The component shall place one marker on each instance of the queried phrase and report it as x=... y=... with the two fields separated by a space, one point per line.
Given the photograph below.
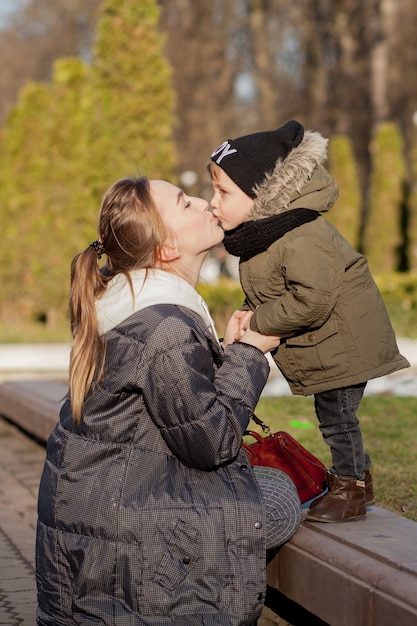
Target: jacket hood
x=148 y=288
x=299 y=181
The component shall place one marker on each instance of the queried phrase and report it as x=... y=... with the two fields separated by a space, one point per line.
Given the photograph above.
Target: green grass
x=35 y=332
x=389 y=427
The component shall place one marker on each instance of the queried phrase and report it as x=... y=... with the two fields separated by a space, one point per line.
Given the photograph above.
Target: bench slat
x=33 y=405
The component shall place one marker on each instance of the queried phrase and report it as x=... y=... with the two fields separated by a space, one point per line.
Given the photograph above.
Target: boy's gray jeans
x=336 y=411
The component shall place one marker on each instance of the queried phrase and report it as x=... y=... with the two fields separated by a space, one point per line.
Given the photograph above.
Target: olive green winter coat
x=311 y=282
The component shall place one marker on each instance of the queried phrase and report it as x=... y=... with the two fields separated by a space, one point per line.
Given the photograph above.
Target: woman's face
x=194 y=227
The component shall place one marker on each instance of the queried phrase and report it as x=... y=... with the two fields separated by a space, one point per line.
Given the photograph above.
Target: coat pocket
x=172 y=546
x=181 y=553
x=315 y=354
x=183 y=549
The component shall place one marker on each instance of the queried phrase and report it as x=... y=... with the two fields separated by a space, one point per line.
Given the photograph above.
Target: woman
x=149 y=513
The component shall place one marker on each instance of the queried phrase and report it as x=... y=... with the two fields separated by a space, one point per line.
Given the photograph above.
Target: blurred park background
x=91 y=91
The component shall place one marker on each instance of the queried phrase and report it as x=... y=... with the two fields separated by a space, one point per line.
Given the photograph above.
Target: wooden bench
x=352 y=574
x=33 y=405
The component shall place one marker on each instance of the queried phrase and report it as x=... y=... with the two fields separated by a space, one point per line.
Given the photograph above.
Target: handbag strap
x=260 y=423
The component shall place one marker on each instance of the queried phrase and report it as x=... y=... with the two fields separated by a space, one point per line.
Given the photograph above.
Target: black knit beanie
x=246 y=160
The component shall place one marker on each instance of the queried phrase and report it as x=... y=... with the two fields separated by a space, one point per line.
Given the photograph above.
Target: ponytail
x=131 y=233
x=88 y=350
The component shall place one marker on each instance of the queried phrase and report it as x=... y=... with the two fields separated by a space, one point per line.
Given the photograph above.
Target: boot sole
x=334 y=521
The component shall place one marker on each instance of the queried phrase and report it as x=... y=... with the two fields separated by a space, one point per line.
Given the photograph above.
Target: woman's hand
x=265 y=343
x=238 y=330
x=236 y=327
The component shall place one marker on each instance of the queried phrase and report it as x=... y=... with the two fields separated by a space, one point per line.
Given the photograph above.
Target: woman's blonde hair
x=131 y=232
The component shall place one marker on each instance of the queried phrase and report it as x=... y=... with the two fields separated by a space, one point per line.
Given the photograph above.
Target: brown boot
x=369 y=489
x=344 y=502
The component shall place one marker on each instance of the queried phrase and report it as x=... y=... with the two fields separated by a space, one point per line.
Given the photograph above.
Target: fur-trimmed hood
x=299 y=181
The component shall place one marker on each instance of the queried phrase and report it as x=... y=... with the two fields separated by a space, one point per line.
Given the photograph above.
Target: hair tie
x=99 y=248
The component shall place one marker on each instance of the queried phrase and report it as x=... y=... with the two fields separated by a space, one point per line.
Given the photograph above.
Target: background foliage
x=66 y=140
x=94 y=91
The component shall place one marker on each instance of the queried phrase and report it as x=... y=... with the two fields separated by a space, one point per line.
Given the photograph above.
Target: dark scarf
x=251 y=238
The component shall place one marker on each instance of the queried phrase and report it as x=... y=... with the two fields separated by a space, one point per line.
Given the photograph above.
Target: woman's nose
x=204 y=205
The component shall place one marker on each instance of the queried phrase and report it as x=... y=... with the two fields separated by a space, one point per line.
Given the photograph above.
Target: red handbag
x=283 y=452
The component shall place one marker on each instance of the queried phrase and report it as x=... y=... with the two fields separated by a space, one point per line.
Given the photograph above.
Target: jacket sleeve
x=201 y=410
x=313 y=272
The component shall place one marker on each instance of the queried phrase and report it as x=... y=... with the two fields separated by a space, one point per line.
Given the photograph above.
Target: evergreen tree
x=412 y=224
x=68 y=215
x=130 y=96
x=383 y=235
x=67 y=141
x=42 y=190
x=23 y=164
x=346 y=213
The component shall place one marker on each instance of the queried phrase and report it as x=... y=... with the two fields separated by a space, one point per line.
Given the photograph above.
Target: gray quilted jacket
x=148 y=509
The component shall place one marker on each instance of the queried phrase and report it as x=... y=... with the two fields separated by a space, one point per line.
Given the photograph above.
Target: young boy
x=301 y=278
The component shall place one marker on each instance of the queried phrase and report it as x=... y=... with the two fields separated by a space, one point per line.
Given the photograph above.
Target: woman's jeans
x=336 y=411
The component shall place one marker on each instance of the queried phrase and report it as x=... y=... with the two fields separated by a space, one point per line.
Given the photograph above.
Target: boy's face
x=231 y=206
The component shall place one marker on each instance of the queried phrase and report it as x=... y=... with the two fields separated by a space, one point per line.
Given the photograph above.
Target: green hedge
x=400 y=295
x=398 y=290
x=222 y=299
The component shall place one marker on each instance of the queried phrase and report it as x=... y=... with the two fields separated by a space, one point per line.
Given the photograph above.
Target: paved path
x=34 y=360
x=21 y=462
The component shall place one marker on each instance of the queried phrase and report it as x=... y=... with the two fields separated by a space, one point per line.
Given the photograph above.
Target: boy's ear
x=168 y=253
